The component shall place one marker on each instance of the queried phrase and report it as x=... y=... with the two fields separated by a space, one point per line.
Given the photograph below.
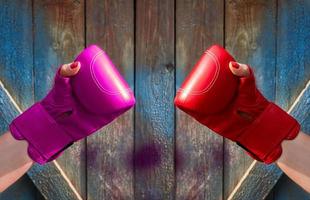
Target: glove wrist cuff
x=46 y=139
x=263 y=138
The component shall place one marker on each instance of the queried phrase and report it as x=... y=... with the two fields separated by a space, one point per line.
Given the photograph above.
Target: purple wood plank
x=58 y=37
x=154 y=116
x=110 y=24
x=199 y=151
x=250 y=36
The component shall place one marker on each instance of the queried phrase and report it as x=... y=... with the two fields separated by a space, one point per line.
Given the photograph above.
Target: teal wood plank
x=16 y=50
x=16 y=66
x=250 y=30
x=293 y=71
x=293 y=55
x=199 y=151
x=58 y=38
x=155 y=89
x=110 y=24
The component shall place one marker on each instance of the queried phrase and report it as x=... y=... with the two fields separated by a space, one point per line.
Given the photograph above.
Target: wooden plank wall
x=154 y=88
x=199 y=152
x=250 y=36
x=17 y=53
x=293 y=71
x=154 y=151
x=110 y=24
x=58 y=32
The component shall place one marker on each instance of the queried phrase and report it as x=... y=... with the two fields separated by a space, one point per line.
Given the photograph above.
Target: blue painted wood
x=16 y=51
x=58 y=38
x=199 y=151
x=293 y=55
x=250 y=35
x=110 y=151
x=293 y=71
x=155 y=88
x=16 y=65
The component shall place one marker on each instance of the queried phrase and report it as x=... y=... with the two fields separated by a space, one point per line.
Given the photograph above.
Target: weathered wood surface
x=251 y=38
x=293 y=55
x=110 y=24
x=154 y=151
x=58 y=28
x=15 y=54
x=199 y=152
x=154 y=115
x=257 y=182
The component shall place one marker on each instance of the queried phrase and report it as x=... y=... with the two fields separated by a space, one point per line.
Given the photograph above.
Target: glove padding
x=72 y=111
x=257 y=125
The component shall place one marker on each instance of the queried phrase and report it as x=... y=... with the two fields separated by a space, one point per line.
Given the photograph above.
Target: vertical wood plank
x=155 y=88
x=250 y=36
x=110 y=24
x=293 y=70
x=58 y=37
x=293 y=55
x=199 y=152
x=16 y=65
x=16 y=50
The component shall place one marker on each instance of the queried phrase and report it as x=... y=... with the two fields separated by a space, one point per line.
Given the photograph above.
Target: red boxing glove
x=234 y=108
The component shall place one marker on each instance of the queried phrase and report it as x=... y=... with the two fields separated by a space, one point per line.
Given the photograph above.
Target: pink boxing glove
x=234 y=108
x=75 y=107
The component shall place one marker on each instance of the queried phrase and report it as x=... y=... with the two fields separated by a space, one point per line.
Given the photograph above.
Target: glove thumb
x=61 y=94
x=247 y=86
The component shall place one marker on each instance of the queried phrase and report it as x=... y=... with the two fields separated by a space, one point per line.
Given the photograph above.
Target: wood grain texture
x=49 y=179
x=293 y=55
x=199 y=152
x=58 y=37
x=153 y=152
x=110 y=24
x=293 y=66
x=16 y=50
x=16 y=67
x=251 y=38
x=261 y=178
x=155 y=88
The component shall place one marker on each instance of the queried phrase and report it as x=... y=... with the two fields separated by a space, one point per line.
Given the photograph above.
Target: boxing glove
x=245 y=116
x=75 y=107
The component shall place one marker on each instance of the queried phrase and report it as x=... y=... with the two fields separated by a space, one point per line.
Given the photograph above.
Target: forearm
x=295 y=160
x=14 y=160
